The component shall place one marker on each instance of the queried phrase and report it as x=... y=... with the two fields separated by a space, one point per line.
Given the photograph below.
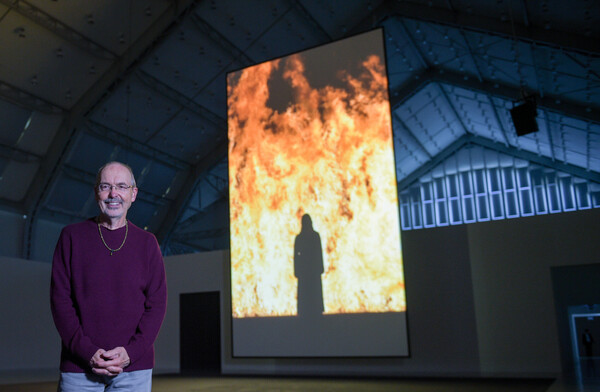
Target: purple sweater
x=103 y=301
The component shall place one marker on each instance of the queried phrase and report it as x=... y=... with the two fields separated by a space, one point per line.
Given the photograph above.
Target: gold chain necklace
x=104 y=242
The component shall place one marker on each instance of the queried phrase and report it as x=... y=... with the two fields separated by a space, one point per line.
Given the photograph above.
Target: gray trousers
x=137 y=381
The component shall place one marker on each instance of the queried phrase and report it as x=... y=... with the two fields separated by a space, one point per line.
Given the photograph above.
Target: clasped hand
x=111 y=362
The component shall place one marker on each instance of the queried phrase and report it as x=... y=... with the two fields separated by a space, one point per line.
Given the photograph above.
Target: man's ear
x=134 y=192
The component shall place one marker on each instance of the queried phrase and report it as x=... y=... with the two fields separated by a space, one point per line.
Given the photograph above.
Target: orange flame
x=330 y=155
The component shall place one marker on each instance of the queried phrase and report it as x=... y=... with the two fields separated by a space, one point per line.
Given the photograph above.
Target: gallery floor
x=178 y=383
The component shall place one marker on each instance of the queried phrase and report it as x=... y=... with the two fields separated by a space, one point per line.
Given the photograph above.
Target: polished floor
x=178 y=383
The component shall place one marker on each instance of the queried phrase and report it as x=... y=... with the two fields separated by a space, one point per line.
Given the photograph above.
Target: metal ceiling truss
x=224 y=197
x=411 y=135
x=412 y=44
x=215 y=182
x=54 y=163
x=501 y=148
x=106 y=133
x=433 y=162
x=556 y=104
x=537 y=159
x=27 y=101
x=450 y=103
x=310 y=19
x=219 y=184
x=216 y=36
x=488 y=25
x=16 y=154
x=497 y=118
x=201 y=169
x=431 y=74
x=182 y=100
x=67 y=214
x=195 y=175
x=549 y=134
x=60 y=29
x=59 y=148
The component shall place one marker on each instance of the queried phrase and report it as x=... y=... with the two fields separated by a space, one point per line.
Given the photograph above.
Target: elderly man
x=108 y=293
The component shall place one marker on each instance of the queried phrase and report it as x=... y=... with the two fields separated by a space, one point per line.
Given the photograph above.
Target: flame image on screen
x=329 y=154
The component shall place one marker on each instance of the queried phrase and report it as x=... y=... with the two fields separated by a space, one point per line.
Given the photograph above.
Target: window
x=525 y=192
x=454 y=202
x=468 y=200
x=495 y=192
x=583 y=195
x=441 y=204
x=428 y=210
x=483 y=194
x=553 y=192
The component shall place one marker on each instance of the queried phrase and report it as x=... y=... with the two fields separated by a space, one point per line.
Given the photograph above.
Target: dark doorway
x=200 y=333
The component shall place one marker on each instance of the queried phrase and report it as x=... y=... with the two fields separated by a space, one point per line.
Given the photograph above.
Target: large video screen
x=316 y=258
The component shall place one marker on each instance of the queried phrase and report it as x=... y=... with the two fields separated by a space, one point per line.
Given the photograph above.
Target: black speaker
x=523 y=117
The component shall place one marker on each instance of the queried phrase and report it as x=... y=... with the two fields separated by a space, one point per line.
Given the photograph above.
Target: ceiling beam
x=54 y=25
x=411 y=42
x=498 y=122
x=187 y=190
x=63 y=139
x=26 y=100
x=12 y=206
x=17 y=154
x=63 y=213
x=536 y=158
x=186 y=102
x=102 y=131
x=553 y=103
x=433 y=162
x=200 y=215
x=409 y=134
x=490 y=25
x=453 y=109
x=372 y=19
x=205 y=28
x=311 y=19
x=500 y=148
x=200 y=170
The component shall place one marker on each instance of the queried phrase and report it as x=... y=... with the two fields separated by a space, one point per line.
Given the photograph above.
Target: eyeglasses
x=104 y=187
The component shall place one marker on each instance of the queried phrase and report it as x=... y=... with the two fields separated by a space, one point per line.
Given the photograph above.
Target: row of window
x=480 y=195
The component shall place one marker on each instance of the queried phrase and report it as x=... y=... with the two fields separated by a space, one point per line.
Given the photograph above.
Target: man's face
x=115 y=202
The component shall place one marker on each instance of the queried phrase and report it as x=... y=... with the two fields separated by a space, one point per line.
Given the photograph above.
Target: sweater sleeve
x=64 y=310
x=155 y=304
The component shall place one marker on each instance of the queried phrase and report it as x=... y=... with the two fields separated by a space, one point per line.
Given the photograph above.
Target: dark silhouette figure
x=308 y=267
x=587 y=341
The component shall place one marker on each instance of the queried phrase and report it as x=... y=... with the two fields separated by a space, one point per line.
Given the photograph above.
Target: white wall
x=513 y=288
x=27 y=330
x=28 y=338
x=480 y=302
x=194 y=273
